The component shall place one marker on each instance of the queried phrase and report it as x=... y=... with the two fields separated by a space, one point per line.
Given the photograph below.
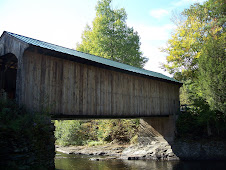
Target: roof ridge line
x=17 y=39
x=38 y=40
x=82 y=52
x=69 y=49
x=88 y=56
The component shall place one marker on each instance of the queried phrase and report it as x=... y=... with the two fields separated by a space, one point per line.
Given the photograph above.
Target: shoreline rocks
x=101 y=150
x=156 y=150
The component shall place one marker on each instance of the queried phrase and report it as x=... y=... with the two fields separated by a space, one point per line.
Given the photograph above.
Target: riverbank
x=114 y=150
x=156 y=150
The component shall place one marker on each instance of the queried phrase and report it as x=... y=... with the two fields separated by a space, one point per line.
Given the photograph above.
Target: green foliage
x=111 y=38
x=187 y=43
x=134 y=139
x=95 y=132
x=21 y=129
x=187 y=126
x=196 y=56
x=185 y=92
x=184 y=49
x=95 y=143
x=18 y=121
x=121 y=130
x=13 y=118
x=201 y=123
x=72 y=132
x=212 y=73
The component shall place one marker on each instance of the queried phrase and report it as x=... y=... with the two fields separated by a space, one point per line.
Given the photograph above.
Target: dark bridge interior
x=8 y=72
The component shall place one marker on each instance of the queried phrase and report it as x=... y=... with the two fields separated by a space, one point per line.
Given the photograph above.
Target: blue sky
x=62 y=22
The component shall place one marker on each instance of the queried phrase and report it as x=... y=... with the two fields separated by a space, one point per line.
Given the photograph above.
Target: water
x=82 y=162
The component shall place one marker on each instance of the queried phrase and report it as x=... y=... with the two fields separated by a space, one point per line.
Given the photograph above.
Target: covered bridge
x=73 y=84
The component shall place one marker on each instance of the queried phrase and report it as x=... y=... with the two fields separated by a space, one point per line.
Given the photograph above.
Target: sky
x=62 y=22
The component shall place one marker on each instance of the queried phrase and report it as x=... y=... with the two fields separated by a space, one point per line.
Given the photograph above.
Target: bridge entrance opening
x=143 y=131
x=8 y=74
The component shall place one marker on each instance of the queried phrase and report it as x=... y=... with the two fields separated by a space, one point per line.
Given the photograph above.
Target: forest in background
x=196 y=57
x=96 y=132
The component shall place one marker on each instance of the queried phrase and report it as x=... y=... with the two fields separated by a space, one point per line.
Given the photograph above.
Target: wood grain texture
x=75 y=89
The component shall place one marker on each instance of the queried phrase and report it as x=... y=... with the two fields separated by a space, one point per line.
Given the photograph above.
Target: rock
x=102 y=153
x=133 y=157
x=156 y=150
x=94 y=159
x=111 y=158
x=101 y=159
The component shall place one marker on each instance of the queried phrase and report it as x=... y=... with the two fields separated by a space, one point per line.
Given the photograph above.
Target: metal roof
x=90 y=57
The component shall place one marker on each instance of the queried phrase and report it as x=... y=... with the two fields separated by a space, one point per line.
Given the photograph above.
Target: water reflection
x=150 y=164
x=81 y=162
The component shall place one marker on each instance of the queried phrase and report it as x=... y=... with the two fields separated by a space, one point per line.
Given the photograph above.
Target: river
x=83 y=162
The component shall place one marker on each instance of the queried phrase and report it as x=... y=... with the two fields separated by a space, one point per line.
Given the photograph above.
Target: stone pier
x=157 y=129
x=155 y=137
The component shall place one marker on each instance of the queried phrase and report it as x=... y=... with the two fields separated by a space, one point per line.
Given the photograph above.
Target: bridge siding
x=72 y=88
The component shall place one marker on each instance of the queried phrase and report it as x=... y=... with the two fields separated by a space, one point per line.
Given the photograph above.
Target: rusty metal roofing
x=90 y=57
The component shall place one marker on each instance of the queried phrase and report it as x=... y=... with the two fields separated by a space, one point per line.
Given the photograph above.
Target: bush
x=26 y=138
x=95 y=143
x=69 y=133
x=95 y=132
x=187 y=126
x=199 y=122
x=121 y=130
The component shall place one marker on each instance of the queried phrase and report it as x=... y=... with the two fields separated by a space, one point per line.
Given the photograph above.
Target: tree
x=196 y=56
x=196 y=50
x=212 y=61
x=111 y=38
x=185 y=46
x=212 y=73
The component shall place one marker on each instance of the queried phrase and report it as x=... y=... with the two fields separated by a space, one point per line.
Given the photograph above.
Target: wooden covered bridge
x=75 y=84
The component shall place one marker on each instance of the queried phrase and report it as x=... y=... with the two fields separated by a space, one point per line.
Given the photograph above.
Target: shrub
x=92 y=132
x=26 y=138
x=199 y=122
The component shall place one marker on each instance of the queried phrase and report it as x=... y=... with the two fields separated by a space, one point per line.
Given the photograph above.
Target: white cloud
x=159 y=13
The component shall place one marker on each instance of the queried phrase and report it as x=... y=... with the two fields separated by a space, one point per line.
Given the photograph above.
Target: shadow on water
x=82 y=162
x=175 y=165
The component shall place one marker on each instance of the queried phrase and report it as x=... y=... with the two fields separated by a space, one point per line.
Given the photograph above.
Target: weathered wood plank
x=98 y=92
x=79 y=89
